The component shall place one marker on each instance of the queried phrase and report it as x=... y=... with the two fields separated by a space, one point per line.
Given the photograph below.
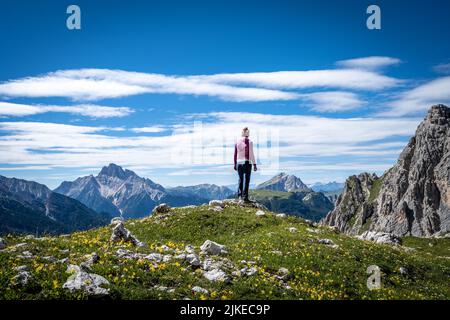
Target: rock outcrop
x=413 y=197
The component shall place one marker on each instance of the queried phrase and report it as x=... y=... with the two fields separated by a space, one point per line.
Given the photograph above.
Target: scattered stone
x=381 y=237
x=22 y=278
x=164 y=288
x=193 y=259
x=91 y=260
x=181 y=256
x=312 y=230
x=158 y=257
x=216 y=209
x=117 y=220
x=26 y=255
x=292 y=229
x=283 y=273
x=260 y=213
x=199 y=290
x=21 y=268
x=90 y=283
x=189 y=249
x=64 y=251
x=248 y=271
x=211 y=247
x=217 y=203
x=280 y=215
x=167 y=258
x=326 y=241
x=215 y=275
x=29 y=237
x=50 y=258
x=162 y=208
x=277 y=252
x=121 y=233
x=2 y=243
x=403 y=270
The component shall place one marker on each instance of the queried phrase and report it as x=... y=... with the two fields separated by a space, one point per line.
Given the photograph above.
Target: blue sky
x=163 y=87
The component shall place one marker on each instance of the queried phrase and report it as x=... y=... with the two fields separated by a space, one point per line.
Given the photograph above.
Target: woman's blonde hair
x=245 y=132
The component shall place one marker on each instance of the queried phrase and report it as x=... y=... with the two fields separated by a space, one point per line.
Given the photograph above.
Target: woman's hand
x=235 y=169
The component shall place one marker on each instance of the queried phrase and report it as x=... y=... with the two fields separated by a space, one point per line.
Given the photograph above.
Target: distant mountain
x=327 y=187
x=122 y=192
x=206 y=191
x=30 y=207
x=284 y=182
x=305 y=204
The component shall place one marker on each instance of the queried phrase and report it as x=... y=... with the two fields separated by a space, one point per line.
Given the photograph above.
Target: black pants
x=244 y=170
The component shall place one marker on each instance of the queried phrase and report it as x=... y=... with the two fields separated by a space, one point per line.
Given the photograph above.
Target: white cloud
x=149 y=129
x=94 y=111
x=345 y=140
x=334 y=78
x=443 y=68
x=368 y=63
x=333 y=101
x=96 y=84
x=419 y=99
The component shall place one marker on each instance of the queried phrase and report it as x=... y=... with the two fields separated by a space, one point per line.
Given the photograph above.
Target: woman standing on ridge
x=244 y=158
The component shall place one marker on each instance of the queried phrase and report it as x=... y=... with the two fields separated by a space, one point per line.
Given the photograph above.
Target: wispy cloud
x=51 y=144
x=368 y=63
x=333 y=101
x=443 y=68
x=97 y=84
x=149 y=129
x=333 y=78
x=8 y=109
x=420 y=98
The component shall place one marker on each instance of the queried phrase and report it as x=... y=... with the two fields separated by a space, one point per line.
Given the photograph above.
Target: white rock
x=215 y=275
x=121 y=233
x=260 y=213
x=211 y=247
x=90 y=283
x=326 y=241
x=158 y=257
x=199 y=290
x=403 y=270
x=381 y=237
x=116 y=220
x=216 y=209
x=292 y=229
x=162 y=208
x=248 y=271
x=193 y=259
x=2 y=243
x=217 y=203
x=21 y=268
x=280 y=215
x=26 y=255
x=22 y=278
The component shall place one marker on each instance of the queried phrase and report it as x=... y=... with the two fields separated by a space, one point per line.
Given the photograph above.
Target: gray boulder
x=211 y=247
x=381 y=237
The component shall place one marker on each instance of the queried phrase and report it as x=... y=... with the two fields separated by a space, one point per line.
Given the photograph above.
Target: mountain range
x=411 y=198
x=30 y=207
x=122 y=192
x=284 y=182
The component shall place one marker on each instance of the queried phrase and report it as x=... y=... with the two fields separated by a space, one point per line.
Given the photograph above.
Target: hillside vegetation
x=265 y=257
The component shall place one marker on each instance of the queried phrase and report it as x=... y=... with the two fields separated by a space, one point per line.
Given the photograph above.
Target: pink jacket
x=243 y=151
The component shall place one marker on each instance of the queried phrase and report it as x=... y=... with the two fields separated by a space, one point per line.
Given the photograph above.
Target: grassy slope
x=317 y=271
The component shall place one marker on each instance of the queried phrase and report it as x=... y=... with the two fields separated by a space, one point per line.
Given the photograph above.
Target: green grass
x=317 y=271
x=375 y=190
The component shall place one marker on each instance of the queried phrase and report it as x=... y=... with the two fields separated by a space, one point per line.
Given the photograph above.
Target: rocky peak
x=113 y=170
x=413 y=197
x=284 y=182
x=438 y=114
